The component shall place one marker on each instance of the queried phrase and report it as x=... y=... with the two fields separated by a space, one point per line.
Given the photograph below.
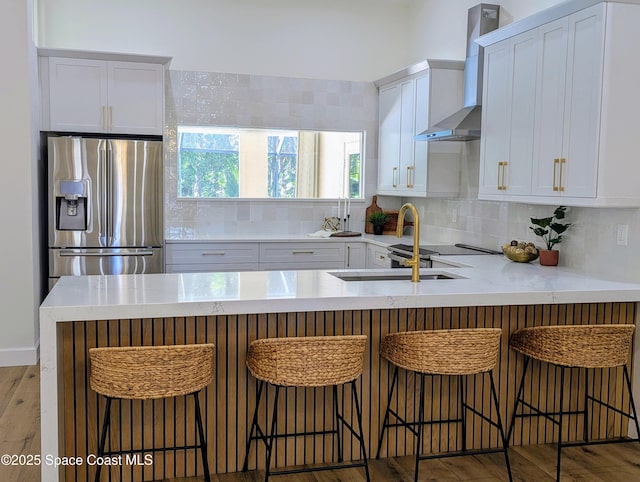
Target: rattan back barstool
x=456 y=353
x=151 y=372
x=574 y=346
x=308 y=362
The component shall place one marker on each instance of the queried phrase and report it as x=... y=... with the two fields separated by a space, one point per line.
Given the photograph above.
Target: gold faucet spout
x=414 y=262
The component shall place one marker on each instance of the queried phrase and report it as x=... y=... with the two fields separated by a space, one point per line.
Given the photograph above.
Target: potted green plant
x=378 y=219
x=550 y=230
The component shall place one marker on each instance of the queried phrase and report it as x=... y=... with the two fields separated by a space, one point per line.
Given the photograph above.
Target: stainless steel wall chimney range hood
x=464 y=125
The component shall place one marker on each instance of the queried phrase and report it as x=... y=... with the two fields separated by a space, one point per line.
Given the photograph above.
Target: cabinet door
x=407 y=130
x=508 y=116
x=78 y=95
x=582 y=103
x=494 y=148
x=136 y=98
x=552 y=69
x=389 y=138
x=355 y=255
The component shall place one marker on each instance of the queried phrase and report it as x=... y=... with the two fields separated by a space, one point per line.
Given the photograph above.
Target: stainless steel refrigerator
x=104 y=206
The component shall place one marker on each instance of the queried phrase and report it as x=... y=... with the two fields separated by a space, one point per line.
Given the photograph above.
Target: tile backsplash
x=208 y=99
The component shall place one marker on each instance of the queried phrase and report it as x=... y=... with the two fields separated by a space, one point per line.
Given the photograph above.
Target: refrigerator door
x=81 y=261
x=134 y=206
x=81 y=161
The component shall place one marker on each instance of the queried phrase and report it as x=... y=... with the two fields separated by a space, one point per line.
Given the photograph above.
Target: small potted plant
x=550 y=230
x=378 y=219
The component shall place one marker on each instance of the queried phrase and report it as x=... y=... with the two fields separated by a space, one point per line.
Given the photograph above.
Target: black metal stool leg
x=585 y=422
x=254 y=425
x=363 y=450
x=272 y=437
x=505 y=442
x=463 y=410
x=560 y=418
x=518 y=398
x=420 y=427
x=337 y=421
x=386 y=413
x=106 y=421
x=634 y=413
x=203 y=442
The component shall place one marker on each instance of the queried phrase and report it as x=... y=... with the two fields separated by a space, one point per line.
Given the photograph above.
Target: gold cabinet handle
x=556 y=162
x=394 y=175
x=502 y=167
x=560 y=186
x=348 y=256
x=409 y=176
x=104 y=118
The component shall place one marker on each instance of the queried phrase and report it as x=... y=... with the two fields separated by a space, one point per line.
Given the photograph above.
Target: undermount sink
x=392 y=276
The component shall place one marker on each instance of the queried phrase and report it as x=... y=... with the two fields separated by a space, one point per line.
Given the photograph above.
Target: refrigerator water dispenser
x=71 y=206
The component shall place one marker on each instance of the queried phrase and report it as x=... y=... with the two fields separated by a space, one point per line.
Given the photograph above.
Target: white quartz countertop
x=483 y=280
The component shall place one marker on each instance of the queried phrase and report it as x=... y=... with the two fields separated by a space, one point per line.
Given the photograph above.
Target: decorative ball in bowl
x=520 y=252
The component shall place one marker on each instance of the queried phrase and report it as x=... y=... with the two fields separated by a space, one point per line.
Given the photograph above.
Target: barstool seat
x=316 y=361
x=574 y=346
x=457 y=352
x=151 y=372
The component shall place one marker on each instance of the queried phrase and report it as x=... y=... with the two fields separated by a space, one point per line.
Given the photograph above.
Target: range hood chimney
x=464 y=125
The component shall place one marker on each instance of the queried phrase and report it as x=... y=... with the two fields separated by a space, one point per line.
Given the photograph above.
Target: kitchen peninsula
x=232 y=309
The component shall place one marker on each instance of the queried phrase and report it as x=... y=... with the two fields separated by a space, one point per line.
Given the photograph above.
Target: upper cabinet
x=102 y=96
x=410 y=102
x=560 y=107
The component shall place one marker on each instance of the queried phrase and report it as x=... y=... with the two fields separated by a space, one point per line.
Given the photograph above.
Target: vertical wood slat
x=229 y=402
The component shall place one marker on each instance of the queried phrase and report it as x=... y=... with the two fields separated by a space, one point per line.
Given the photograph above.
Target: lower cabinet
x=377 y=257
x=199 y=257
x=302 y=255
x=355 y=255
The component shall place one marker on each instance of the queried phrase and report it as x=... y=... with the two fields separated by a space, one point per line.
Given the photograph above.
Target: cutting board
x=373 y=208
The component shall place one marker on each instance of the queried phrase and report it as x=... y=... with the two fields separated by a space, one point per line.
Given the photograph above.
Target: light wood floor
x=20 y=434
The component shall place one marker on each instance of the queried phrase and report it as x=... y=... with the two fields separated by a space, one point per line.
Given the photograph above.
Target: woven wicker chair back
x=147 y=372
x=443 y=352
x=585 y=346
x=312 y=361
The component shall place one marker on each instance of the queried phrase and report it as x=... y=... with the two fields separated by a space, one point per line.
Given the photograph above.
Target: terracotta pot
x=549 y=257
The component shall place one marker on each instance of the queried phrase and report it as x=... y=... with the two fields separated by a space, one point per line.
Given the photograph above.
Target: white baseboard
x=12 y=357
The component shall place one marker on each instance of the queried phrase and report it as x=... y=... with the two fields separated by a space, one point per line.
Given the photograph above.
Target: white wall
x=19 y=281
x=327 y=39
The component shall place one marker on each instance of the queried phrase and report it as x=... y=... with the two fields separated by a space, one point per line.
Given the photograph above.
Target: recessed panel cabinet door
x=389 y=143
x=135 y=97
x=78 y=94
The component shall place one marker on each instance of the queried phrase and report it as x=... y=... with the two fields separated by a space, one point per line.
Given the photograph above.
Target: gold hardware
x=555 y=166
x=414 y=262
x=393 y=182
x=348 y=256
x=560 y=186
x=502 y=170
x=409 y=176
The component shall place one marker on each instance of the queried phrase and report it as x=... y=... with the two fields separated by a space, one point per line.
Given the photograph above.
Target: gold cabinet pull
x=393 y=177
x=409 y=176
x=502 y=168
x=104 y=120
x=556 y=162
x=560 y=186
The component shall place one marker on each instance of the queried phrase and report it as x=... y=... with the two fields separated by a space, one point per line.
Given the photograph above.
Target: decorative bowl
x=519 y=255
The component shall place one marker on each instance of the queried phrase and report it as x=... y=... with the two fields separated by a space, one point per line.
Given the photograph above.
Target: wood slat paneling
x=229 y=402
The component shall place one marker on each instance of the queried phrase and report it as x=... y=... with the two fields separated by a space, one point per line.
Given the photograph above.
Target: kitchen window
x=232 y=162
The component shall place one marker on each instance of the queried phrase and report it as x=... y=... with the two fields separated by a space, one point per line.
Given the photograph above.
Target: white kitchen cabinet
x=301 y=255
x=411 y=101
x=355 y=255
x=102 y=96
x=188 y=257
x=377 y=257
x=506 y=144
x=586 y=105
